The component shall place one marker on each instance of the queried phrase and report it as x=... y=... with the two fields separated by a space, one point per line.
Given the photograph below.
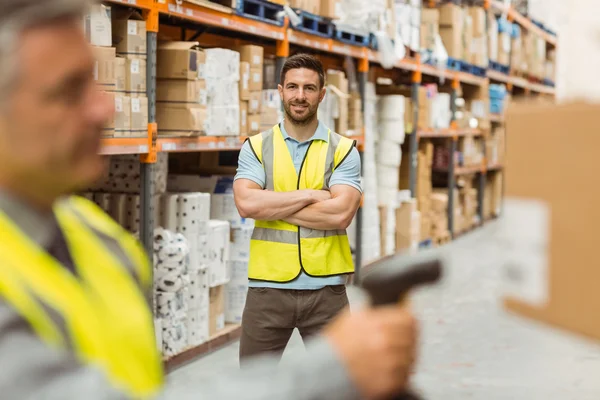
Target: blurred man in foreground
x=73 y=318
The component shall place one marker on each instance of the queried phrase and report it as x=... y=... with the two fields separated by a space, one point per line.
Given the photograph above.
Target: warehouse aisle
x=471 y=348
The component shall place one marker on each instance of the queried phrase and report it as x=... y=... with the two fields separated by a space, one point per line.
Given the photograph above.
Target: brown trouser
x=271 y=315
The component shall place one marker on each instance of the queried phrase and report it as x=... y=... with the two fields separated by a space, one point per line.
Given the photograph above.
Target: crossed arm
x=313 y=209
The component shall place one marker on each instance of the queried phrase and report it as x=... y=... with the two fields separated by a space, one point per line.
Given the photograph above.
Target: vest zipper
x=298 y=188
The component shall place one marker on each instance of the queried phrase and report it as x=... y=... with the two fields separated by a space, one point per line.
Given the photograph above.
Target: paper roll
x=103 y=200
x=133 y=211
x=171 y=282
x=169 y=217
x=392 y=131
x=392 y=107
x=162 y=238
x=387 y=196
x=389 y=154
x=388 y=177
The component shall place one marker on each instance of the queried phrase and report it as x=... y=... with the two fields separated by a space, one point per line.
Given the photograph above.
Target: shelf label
x=212 y=145
x=189 y=12
x=169 y=146
x=225 y=21
x=131 y=1
x=253 y=29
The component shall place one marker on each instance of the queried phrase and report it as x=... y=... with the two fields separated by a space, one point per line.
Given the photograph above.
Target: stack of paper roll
x=122 y=207
x=124 y=175
x=389 y=153
x=370 y=235
x=188 y=214
x=172 y=289
x=237 y=287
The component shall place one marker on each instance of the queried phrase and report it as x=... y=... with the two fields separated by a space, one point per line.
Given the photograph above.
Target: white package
x=239 y=272
x=389 y=153
x=222 y=63
x=392 y=107
x=388 y=177
x=218 y=243
x=223 y=120
x=240 y=243
x=222 y=92
x=393 y=131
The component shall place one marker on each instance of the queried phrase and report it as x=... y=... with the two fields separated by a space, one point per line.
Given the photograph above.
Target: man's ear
x=322 y=94
x=280 y=89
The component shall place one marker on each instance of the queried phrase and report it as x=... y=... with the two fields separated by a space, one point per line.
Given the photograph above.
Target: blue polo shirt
x=348 y=173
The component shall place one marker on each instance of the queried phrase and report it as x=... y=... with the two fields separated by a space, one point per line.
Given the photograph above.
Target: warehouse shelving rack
x=202 y=15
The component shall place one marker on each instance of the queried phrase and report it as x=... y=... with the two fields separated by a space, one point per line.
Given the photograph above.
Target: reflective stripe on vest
x=280 y=251
x=105 y=313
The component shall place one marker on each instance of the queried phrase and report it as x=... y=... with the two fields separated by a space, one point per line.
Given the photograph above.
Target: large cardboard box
x=252 y=54
x=135 y=82
x=129 y=34
x=120 y=66
x=181 y=121
x=479 y=21
x=180 y=60
x=216 y=312
x=256 y=79
x=122 y=115
x=255 y=124
x=254 y=102
x=97 y=25
x=244 y=89
x=139 y=116
x=552 y=215
x=408 y=225
x=109 y=128
x=183 y=92
x=104 y=67
x=243 y=118
x=504 y=43
x=338 y=79
x=452 y=37
x=451 y=15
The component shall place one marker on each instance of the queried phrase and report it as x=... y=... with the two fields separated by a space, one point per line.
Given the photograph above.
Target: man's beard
x=310 y=116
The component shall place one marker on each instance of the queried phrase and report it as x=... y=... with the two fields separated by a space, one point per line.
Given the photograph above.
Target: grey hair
x=17 y=16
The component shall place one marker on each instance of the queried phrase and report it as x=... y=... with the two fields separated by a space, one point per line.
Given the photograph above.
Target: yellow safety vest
x=280 y=251
x=107 y=322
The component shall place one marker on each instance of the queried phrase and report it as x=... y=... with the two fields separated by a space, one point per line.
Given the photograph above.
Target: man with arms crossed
x=74 y=323
x=300 y=181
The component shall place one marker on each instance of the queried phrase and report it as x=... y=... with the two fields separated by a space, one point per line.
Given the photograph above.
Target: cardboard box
x=104 y=68
x=97 y=25
x=253 y=55
x=180 y=60
x=120 y=66
x=338 y=79
x=181 y=121
x=216 y=312
x=135 y=82
x=452 y=37
x=451 y=15
x=243 y=118
x=429 y=32
x=183 y=92
x=256 y=79
x=254 y=103
x=479 y=52
x=109 y=129
x=479 y=21
x=331 y=9
x=341 y=123
x=244 y=90
x=504 y=43
x=122 y=115
x=555 y=278
x=129 y=34
x=139 y=116
x=467 y=37
x=255 y=124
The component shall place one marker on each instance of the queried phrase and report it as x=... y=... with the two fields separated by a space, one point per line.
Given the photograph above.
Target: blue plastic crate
x=352 y=38
x=314 y=24
x=459 y=65
x=516 y=32
x=261 y=10
x=497 y=91
x=496 y=106
x=505 y=69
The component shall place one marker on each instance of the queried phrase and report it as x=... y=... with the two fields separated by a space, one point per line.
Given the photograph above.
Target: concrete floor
x=471 y=348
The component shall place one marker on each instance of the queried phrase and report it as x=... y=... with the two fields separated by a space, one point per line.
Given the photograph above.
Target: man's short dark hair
x=304 y=61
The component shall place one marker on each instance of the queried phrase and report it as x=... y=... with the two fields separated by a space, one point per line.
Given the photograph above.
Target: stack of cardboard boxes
x=340 y=90
x=456 y=31
x=355 y=115
x=325 y=8
x=270 y=111
x=439 y=215
x=479 y=42
x=250 y=88
x=430 y=21
x=467 y=205
x=424 y=187
x=181 y=89
x=495 y=145
x=408 y=226
x=122 y=77
x=492 y=199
